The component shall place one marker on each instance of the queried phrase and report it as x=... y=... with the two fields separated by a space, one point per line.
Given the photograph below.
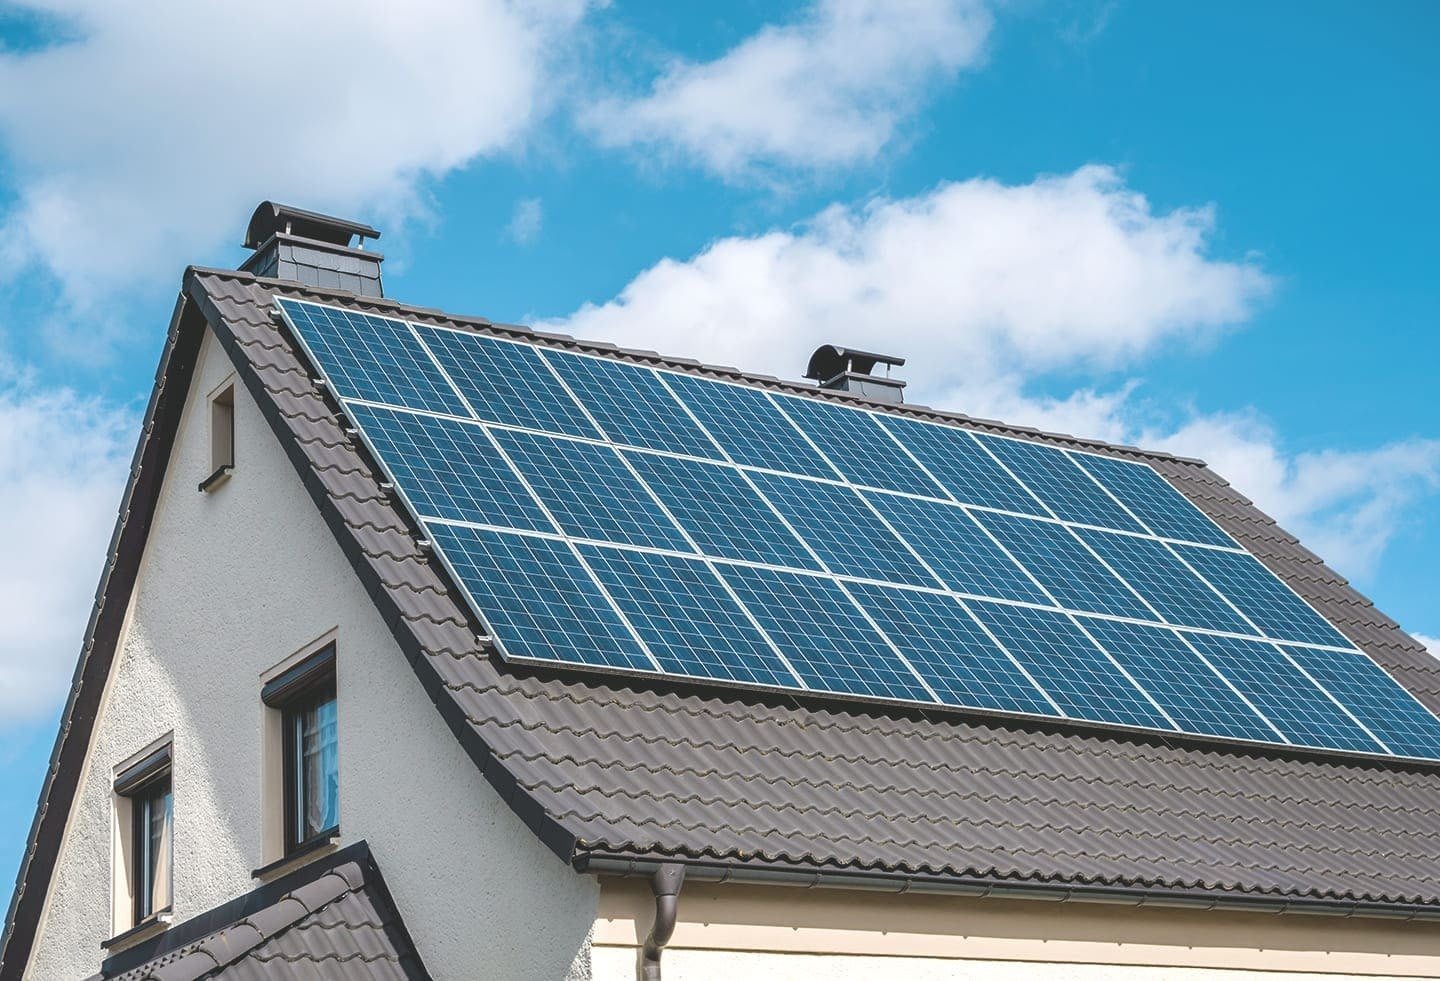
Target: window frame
x=141 y=785
x=303 y=687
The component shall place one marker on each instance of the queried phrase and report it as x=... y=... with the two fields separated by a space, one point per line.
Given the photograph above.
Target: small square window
x=305 y=696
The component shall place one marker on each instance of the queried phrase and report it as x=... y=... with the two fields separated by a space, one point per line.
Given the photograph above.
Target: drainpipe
x=665 y=883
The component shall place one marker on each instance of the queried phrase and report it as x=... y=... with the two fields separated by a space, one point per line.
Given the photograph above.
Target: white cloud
x=66 y=459
x=525 y=221
x=830 y=89
x=144 y=143
x=986 y=288
x=1432 y=644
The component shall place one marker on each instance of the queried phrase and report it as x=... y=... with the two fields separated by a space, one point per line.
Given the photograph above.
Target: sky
x=1206 y=228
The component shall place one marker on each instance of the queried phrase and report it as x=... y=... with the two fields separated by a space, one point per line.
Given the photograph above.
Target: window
x=222 y=436
x=146 y=808
x=305 y=696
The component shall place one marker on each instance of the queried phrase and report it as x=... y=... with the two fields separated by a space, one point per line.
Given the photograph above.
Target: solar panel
x=631 y=405
x=686 y=617
x=590 y=491
x=857 y=446
x=962 y=466
x=1060 y=563
x=507 y=383
x=608 y=515
x=375 y=359
x=1065 y=489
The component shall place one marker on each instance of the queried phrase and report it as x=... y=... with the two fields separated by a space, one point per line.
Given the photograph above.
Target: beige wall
x=744 y=931
x=233 y=583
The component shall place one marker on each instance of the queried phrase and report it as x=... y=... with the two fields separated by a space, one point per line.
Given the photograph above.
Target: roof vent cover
x=311 y=248
x=844 y=369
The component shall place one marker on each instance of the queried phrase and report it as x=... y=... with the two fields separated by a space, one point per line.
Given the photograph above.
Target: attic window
x=143 y=790
x=222 y=436
x=305 y=697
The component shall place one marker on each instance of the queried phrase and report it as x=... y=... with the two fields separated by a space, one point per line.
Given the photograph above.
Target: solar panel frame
x=1153 y=501
x=844 y=435
x=1166 y=583
x=1067 y=490
x=961 y=466
x=1278 y=612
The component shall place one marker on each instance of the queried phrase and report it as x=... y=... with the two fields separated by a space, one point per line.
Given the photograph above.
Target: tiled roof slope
x=333 y=919
x=641 y=768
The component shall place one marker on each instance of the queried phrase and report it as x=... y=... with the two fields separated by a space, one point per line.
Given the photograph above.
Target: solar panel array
x=609 y=515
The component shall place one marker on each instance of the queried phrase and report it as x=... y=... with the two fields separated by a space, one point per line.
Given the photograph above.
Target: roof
x=331 y=919
x=652 y=769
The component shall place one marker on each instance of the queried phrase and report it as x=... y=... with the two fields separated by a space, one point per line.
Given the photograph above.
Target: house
x=328 y=722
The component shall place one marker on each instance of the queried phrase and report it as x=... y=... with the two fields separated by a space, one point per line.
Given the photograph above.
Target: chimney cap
x=271 y=219
x=830 y=360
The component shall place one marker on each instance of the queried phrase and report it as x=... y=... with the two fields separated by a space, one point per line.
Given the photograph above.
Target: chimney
x=314 y=249
x=847 y=370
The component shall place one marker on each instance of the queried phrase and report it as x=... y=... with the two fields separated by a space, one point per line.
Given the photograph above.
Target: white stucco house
x=295 y=748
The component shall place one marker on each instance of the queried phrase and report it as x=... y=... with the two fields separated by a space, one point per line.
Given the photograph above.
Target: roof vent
x=847 y=370
x=314 y=249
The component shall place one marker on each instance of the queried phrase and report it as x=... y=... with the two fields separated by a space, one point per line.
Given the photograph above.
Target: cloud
x=66 y=459
x=998 y=288
x=827 y=90
x=145 y=143
x=525 y=221
x=1432 y=644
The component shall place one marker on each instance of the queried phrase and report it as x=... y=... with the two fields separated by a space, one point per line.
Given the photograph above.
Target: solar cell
x=1054 y=478
x=842 y=530
x=748 y=427
x=947 y=648
x=1055 y=557
x=685 y=616
x=952 y=544
x=720 y=511
x=961 y=466
x=1164 y=581
x=537 y=599
x=589 y=491
x=1068 y=665
x=372 y=358
x=1389 y=711
x=1283 y=695
x=631 y=405
x=507 y=383
x=1175 y=676
x=857 y=446
x=1166 y=511
x=449 y=469
x=1260 y=595
x=823 y=634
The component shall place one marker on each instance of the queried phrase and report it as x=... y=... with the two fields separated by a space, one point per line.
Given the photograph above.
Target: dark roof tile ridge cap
x=690 y=365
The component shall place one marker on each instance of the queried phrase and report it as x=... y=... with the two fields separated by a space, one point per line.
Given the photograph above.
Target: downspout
x=665 y=883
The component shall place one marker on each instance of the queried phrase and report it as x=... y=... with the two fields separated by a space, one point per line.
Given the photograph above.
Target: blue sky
x=1206 y=227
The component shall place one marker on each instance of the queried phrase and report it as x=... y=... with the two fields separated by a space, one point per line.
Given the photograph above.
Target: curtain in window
x=161 y=847
x=321 y=767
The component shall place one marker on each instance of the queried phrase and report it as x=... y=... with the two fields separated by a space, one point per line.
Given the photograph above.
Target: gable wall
x=232 y=583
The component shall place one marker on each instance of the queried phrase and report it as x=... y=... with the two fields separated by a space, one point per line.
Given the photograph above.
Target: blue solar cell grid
x=1164 y=581
x=962 y=466
x=823 y=634
x=947 y=648
x=958 y=549
x=372 y=358
x=762 y=591
x=537 y=598
x=1076 y=579
x=857 y=446
x=590 y=491
x=1261 y=596
x=507 y=383
x=687 y=619
x=449 y=469
x=1166 y=511
x=631 y=405
x=842 y=530
x=1283 y=694
x=725 y=516
x=1390 y=712
x=1054 y=478
x=1188 y=690
x=748 y=427
x=1068 y=665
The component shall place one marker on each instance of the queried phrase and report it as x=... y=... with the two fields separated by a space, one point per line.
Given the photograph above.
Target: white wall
x=232 y=583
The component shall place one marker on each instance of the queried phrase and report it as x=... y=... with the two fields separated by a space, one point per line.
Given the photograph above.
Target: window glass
x=315 y=769
x=154 y=848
